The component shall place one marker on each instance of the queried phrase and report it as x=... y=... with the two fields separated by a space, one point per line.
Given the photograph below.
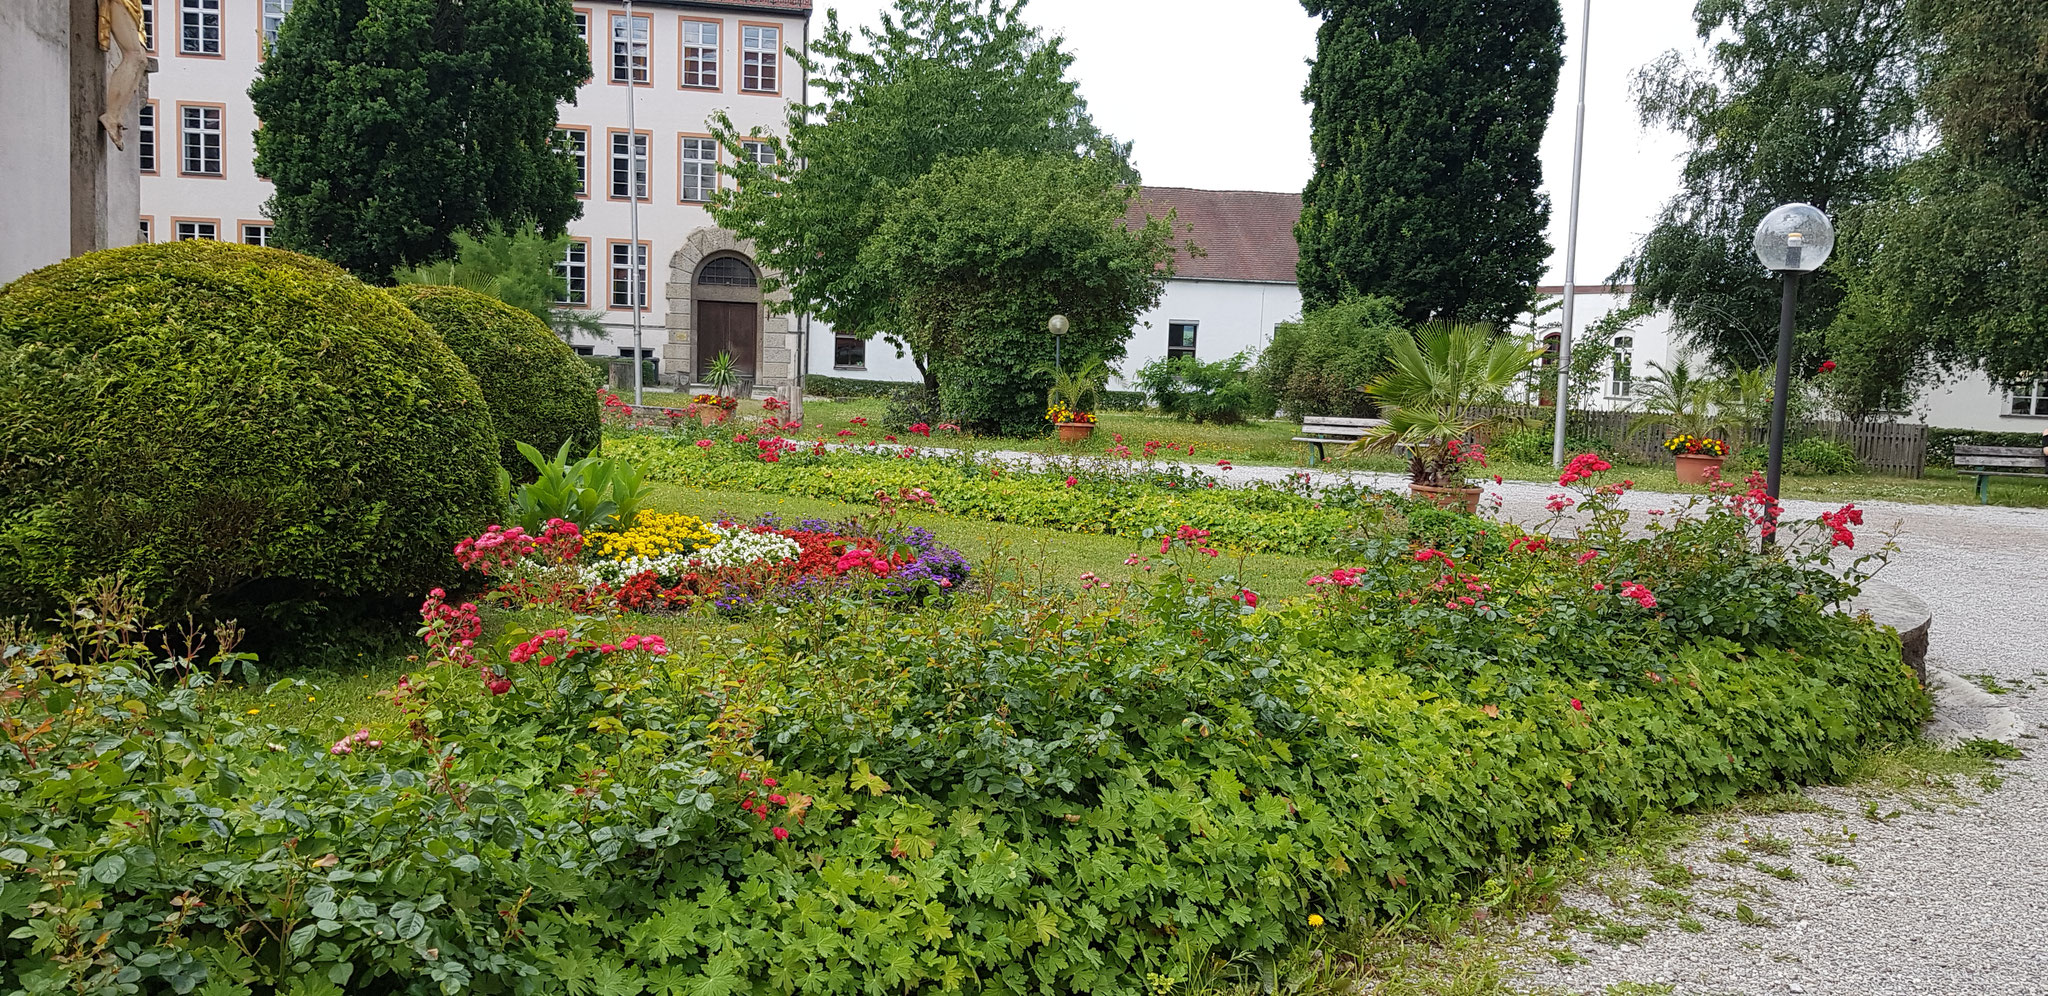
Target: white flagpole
x=635 y=291
x=1562 y=399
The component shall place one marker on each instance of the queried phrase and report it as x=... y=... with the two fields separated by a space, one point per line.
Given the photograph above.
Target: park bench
x=1987 y=462
x=1320 y=431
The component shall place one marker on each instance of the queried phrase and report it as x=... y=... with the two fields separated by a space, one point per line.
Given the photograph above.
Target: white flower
x=737 y=547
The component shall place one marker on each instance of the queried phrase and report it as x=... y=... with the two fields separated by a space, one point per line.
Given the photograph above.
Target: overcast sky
x=1211 y=93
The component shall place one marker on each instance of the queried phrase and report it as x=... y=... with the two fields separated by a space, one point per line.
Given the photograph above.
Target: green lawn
x=1013 y=551
x=342 y=698
x=1267 y=443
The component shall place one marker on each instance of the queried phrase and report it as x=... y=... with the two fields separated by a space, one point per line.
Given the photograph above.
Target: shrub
x=1532 y=444
x=538 y=389
x=1817 y=456
x=592 y=493
x=910 y=405
x=1942 y=443
x=600 y=369
x=235 y=429
x=1221 y=392
x=1123 y=401
x=821 y=386
x=1321 y=364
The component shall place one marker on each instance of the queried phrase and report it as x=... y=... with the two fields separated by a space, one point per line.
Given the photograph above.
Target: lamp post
x=1057 y=325
x=1791 y=240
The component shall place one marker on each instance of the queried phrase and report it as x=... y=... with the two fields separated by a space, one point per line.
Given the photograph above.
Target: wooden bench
x=1319 y=431
x=1987 y=462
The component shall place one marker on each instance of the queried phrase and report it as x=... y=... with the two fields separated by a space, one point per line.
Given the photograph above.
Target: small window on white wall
x=205 y=231
x=2031 y=399
x=1180 y=339
x=1621 y=379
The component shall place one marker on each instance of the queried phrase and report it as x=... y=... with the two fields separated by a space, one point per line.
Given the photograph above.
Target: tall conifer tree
x=391 y=125
x=1428 y=115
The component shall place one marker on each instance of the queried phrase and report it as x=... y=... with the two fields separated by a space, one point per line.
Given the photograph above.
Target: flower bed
x=1155 y=778
x=671 y=562
x=1120 y=493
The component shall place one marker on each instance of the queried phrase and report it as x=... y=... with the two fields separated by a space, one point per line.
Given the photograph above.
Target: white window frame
x=265 y=233
x=760 y=151
x=1621 y=374
x=146 y=151
x=578 y=140
x=761 y=58
x=622 y=276
x=274 y=13
x=195 y=231
x=582 y=21
x=696 y=169
x=622 y=165
x=199 y=27
x=2035 y=398
x=147 y=231
x=700 y=48
x=623 y=44
x=574 y=269
x=201 y=142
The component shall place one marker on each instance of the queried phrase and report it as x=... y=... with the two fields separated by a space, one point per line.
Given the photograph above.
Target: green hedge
x=819 y=385
x=600 y=368
x=1942 y=443
x=234 y=429
x=537 y=388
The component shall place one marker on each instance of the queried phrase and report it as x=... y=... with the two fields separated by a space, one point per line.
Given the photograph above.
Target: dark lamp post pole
x=1791 y=240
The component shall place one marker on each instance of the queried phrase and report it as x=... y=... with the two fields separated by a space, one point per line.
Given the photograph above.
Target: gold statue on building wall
x=121 y=25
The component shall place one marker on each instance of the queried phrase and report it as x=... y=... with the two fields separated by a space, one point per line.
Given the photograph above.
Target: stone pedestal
x=1890 y=605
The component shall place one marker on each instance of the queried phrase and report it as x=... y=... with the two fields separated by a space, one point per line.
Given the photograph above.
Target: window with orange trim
x=700 y=53
x=760 y=58
x=629 y=49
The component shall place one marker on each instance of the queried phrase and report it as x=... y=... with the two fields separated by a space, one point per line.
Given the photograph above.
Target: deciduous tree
x=1962 y=257
x=937 y=79
x=980 y=251
x=1810 y=101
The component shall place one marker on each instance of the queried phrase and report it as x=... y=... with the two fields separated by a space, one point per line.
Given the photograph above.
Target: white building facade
x=676 y=61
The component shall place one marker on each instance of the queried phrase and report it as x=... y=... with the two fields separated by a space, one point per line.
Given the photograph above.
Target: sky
x=1210 y=91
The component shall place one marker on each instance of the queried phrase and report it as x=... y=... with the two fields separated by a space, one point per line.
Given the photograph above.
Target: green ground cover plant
x=1114 y=783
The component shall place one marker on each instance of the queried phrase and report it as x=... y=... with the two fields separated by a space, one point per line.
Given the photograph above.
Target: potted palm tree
x=1437 y=394
x=1687 y=406
x=1071 y=402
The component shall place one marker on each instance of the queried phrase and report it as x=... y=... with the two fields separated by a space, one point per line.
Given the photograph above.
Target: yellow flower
x=1315 y=920
x=655 y=534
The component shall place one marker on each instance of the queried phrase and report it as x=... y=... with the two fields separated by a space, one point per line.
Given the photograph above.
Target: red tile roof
x=1245 y=234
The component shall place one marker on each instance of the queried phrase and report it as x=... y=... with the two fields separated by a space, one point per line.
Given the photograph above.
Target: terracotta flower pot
x=1074 y=432
x=1468 y=498
x=1693 y=468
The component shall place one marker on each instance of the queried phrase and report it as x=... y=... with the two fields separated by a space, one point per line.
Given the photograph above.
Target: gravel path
x=1943 y=894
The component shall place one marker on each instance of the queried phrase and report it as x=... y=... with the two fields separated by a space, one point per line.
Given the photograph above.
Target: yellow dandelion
x=253 y=712
x=1315 y=919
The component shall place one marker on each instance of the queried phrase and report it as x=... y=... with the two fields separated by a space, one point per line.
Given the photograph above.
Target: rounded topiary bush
x=540 y=392
x=234 y=430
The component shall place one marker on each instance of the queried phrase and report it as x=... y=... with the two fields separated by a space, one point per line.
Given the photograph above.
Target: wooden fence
x=1897 y=449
